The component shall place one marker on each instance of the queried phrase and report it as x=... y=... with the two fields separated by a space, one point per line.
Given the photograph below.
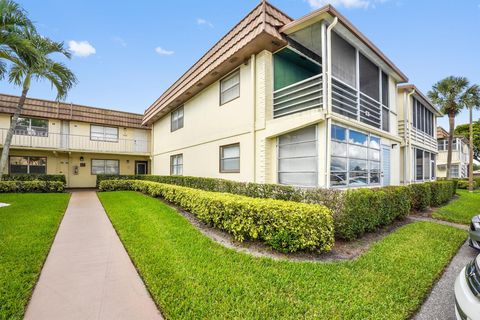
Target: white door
x=140 y=141
x=385 y=165
x=64 y=134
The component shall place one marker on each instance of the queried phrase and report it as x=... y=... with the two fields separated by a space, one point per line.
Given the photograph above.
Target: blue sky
x=129 y=52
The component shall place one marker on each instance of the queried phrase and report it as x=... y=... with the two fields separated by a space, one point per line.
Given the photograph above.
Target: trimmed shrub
x=421 y=196
x=284 y=225
x=464 y=184
x=442 y=192
x=364 y=210
x=32 y=177
x=31 y=186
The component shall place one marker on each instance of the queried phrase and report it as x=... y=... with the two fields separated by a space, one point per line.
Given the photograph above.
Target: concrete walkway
x=88 y=274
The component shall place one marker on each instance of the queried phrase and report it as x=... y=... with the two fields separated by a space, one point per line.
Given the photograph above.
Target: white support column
x=357 y=66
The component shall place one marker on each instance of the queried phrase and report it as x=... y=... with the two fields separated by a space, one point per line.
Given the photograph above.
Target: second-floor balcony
x=415 y=135
x=72 y=142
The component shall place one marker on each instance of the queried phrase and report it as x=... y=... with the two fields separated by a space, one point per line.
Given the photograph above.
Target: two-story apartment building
x=77 y=141
x=417 y=122
x=306 y=102
x=460 y=155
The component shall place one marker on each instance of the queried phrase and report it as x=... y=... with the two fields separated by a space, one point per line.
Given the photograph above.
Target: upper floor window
x=33 y=165
x=230 y=87
x=102 y=133
x=230 y=158
x=101 y=166
x=176 y=165
x=176 y=119
x=423 y=118
x=32 y=127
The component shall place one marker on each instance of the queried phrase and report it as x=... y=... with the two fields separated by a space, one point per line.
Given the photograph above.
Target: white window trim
x=104 y=134
x=223 y=90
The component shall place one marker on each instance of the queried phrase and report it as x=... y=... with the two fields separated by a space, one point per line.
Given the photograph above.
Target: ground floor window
x=101 y=166
x=425 y=163
x=297 y=158
x=176 y=165
x=355 y=158
x=230 y=158
x=28 y=164
x=455 y=171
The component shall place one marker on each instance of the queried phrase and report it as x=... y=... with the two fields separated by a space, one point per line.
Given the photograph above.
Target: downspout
x=254 y=104
x=329 y=100
x=407 y=133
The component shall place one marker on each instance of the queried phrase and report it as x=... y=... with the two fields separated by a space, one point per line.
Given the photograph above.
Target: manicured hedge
x=364 y=210
x=464 y=184
x=31 y=177
x=442 y=192
x=421 y=196
x=284 y=225
x=31 y=186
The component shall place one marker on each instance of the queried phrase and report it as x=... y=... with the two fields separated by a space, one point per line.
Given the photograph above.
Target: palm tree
x=24 y=70
x=449 y=95
x=471 y=100
x=13 y=21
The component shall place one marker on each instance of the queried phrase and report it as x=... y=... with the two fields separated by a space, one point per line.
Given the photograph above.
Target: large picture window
x=355 y=159
x=297 y=158
x=230 y=87
x=101 y=166
x=176 y=165
x=230 y=158
x=102 y=133
x=176 y=119
x=34 y=165
x=32 y=127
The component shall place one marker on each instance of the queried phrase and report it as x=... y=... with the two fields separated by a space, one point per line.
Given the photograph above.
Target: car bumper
x=474 y=236
x=467 y=305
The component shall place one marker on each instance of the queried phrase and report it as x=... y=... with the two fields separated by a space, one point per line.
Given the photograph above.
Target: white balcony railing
x=71 y=142
x=417 y=136
x=348 y=101
x=300 y=96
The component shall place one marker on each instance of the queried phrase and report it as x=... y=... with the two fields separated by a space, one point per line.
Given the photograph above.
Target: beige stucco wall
x=65 y=163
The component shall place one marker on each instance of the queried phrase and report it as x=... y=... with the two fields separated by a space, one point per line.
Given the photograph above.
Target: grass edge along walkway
x=190 y=276
x=27 y=230
x=460 y=210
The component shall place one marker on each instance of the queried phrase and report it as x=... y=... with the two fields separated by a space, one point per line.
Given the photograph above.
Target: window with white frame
x=355 y=158
x=230 y=158
x=424 y=163
x=176 y=119
x=230 y=87
x=297 y=158
x=32 y=127
x=455 y=171
x=103 y=133
x=103 y=166
x=176 y=165
x=27 y=164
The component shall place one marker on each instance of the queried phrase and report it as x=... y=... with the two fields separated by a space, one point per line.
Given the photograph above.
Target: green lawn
x=462 y=209
x=191 y=277
x=27 y=229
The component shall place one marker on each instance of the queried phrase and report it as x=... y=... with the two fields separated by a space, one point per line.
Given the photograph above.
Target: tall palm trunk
x=11 y=130
x=451 y=122
x=470 y=153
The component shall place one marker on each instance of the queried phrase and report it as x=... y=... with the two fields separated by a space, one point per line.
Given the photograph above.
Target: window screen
x=102 y=166
x=176 y=119
x=385 y=89
x=343 y=60
x=297 y=158
x=369 y=78
x=34 y=165
x=102 y=133
x=176 y=165
x=32 y=127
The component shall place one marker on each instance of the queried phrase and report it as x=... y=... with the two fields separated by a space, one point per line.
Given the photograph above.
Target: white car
x=467 y=292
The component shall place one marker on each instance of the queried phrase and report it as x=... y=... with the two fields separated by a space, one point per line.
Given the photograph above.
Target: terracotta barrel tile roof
x=67 y=111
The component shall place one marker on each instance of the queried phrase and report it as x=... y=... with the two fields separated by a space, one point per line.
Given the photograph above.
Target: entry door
x=64 y=133
x=385 y=165
x=141 y=167
x=140 y=140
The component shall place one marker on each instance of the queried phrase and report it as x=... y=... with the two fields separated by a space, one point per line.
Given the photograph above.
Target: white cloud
x=349 y=4
x=81 y=48
x=203 y=22
x=163 y=52
x=119 y=41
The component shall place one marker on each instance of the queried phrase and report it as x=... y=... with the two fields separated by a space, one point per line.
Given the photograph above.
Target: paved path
x=88 y=274
x=441 y=301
